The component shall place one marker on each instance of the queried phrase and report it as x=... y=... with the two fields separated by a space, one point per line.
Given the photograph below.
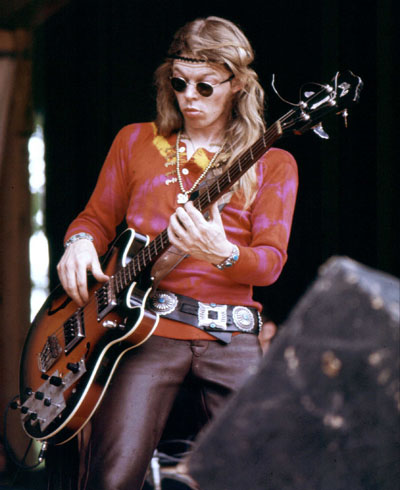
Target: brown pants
x=129 y=422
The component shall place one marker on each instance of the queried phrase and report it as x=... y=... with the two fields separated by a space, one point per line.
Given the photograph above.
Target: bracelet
x=76 y=237
x=231 y=260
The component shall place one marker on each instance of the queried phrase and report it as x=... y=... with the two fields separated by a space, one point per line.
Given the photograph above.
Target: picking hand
x=78 y=258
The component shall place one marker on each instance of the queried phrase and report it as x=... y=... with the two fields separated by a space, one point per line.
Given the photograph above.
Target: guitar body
x=71 y=353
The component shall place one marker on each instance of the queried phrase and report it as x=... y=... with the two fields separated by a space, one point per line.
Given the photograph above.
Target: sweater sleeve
x=261 y=262
x=108 y=203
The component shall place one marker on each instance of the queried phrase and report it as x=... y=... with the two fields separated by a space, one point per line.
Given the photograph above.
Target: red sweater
x=135 y=183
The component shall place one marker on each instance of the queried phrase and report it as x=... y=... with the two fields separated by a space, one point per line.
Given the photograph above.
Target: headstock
x=343 y=91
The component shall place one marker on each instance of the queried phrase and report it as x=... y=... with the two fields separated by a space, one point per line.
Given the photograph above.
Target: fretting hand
x=203 y=239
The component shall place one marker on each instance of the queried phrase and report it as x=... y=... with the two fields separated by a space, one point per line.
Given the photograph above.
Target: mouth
x=191 y=110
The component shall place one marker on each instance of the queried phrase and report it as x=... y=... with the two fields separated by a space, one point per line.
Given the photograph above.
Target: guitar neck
x=150 y=253
x=239 y=167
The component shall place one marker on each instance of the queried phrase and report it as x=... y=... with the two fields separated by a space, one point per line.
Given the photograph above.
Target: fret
x=127 y=276
x=132 y=268
x=145 y=261
x=155 y=246
x=208 y=194
x=118 y=278
x=116 y=283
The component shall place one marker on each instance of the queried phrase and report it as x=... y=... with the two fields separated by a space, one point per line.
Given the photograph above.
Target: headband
x=184 y=58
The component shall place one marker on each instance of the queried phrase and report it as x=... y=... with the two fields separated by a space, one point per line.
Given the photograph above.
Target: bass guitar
x=71 y=352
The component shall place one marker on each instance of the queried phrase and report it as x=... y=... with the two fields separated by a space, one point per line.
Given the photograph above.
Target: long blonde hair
x=217 y=40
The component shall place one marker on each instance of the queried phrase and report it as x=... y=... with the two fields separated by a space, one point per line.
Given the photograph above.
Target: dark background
x=93 y=74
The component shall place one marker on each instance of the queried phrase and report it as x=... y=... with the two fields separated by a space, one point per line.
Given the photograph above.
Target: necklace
x=183 y=196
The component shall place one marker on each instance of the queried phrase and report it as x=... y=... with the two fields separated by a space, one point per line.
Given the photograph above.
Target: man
x=210 y=110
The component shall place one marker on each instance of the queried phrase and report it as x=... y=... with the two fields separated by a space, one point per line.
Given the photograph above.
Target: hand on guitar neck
x=78 y=258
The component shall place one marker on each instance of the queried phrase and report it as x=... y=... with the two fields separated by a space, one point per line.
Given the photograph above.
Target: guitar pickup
x=74 y=330
x=106 y=299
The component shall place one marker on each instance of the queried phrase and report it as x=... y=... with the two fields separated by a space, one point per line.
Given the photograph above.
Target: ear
x=236 y=85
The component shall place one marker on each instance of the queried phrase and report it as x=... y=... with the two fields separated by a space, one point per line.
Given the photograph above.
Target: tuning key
x=345 y=114
x=320 y=131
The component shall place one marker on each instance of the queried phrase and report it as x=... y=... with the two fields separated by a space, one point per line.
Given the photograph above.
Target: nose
x=191 y=91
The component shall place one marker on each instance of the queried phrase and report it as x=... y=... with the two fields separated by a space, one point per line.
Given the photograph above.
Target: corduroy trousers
x=129 y=423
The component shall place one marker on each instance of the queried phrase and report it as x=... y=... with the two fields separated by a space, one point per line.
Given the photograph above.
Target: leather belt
x=218 y=320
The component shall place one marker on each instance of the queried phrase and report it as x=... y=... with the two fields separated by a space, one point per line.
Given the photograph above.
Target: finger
x=184 y=218
x=174 y=239
x=98 y=272
x=215 y=214
x=68 y=282
x=195 y=215
x=81 y=285
x=177 y=227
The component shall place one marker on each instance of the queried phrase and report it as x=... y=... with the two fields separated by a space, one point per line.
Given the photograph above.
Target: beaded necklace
x=183 y=196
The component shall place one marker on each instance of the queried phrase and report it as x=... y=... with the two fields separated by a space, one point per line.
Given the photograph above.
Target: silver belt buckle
x=218 y=317
x=243 y=318
x=163 y=302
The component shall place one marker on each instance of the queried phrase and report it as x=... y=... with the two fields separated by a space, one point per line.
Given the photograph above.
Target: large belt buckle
x=243 y=318
x=212 y=316
x=163 y=302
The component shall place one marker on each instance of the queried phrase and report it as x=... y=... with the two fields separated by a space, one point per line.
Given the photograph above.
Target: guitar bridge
x=50 y=353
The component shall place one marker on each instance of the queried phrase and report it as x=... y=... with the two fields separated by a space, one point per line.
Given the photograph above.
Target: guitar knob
x=55 y=381
x=39 y=395
x=110 y=324
x=24 y=410
x=73 y=366
x=33 y=416
x=28 y=391
x=47 y=402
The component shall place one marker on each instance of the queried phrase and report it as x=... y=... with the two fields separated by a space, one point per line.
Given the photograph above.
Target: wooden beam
x=28 y=13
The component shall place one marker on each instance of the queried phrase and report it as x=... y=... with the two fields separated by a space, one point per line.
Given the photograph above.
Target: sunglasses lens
x=178 y=84
x=204 y=89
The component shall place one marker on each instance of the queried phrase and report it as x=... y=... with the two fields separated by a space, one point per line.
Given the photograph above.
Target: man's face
x=201 y=112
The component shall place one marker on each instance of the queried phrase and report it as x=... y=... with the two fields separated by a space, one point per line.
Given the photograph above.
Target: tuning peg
x=345 y=114
x=320 y=131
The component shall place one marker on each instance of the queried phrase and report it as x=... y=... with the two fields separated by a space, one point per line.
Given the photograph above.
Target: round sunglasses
x=203 y=88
